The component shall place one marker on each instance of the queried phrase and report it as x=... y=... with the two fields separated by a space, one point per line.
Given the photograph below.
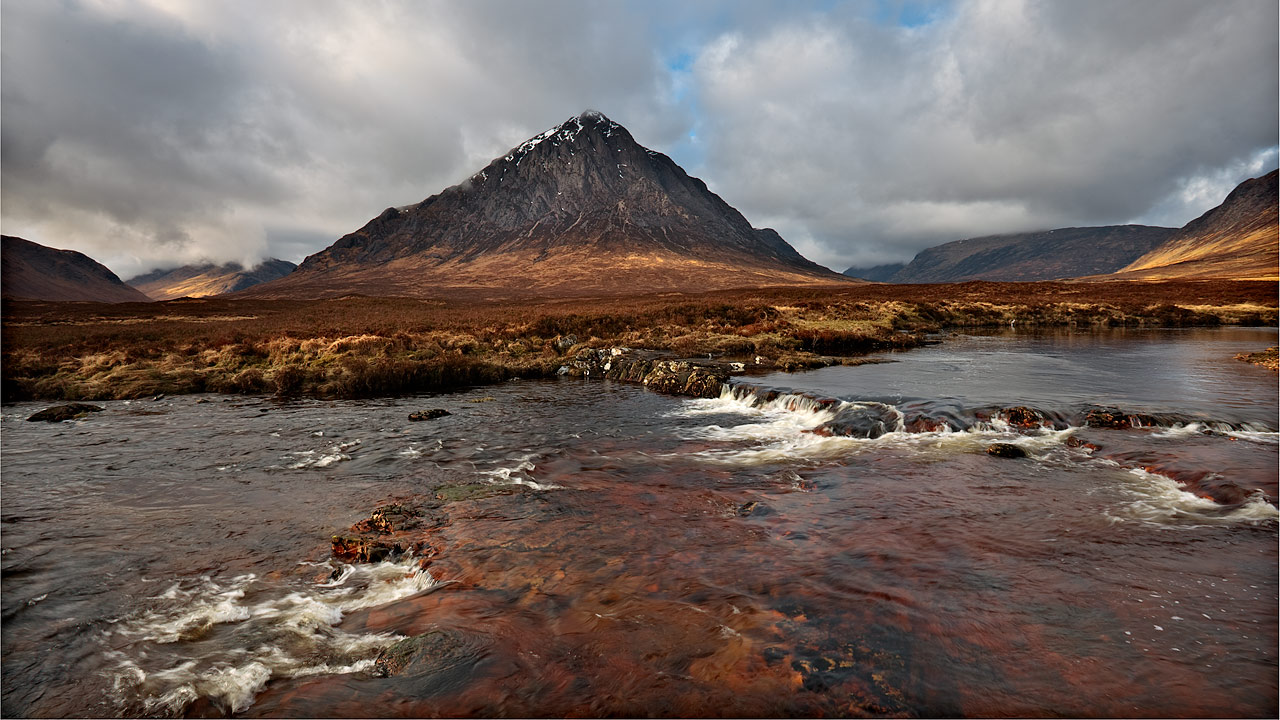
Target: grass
x=363 y=346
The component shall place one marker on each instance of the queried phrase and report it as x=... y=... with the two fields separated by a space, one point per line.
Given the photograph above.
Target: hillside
x=208 y=279
x=32 y=271
x=1236 y=240
x=1044 y=255
x=581 y=209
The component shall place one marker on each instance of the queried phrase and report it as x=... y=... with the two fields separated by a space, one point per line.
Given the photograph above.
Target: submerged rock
x=473 y=491
x=436 y=655
x=58 y=413
x=1006 y=450
x=432 y=414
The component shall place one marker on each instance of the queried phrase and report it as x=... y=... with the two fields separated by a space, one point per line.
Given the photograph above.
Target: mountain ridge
x=1030 y=256
x=581 y=208
x=1237 y=239
x=31 y=271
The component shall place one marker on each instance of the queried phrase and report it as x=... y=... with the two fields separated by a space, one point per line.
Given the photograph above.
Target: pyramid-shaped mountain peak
x=581 y=209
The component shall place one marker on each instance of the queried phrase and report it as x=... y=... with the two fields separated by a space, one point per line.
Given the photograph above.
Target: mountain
x=208 y=279
x=1044 y=255
x=32 y=271
x=581 y=209
x=875 y=273
x=1237 y=240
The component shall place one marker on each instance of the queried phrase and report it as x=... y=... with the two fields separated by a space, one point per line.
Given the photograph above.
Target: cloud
x=157 y=132
x=1000 y=116
x=162 y=132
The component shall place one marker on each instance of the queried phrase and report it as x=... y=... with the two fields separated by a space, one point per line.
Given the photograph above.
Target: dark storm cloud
x=158 y=132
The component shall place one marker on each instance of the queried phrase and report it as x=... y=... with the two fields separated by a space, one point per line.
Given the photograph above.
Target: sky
x=154 y=133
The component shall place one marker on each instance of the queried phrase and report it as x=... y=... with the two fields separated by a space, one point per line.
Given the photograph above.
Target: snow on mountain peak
x=565 y=131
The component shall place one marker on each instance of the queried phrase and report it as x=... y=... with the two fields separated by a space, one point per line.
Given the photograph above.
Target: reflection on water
x=764 y=553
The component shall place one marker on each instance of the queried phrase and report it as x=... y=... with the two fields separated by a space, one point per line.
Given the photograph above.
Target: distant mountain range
x=32 y=271
x=208 y=279
x=1043 y=255
x=581 y=209
x=1238 y=239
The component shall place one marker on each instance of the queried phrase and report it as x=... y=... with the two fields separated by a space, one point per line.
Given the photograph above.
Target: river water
x=836 y=542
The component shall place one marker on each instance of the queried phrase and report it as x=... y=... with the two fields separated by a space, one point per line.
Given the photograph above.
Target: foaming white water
x=745 y=401
x=321 y=458
x=518 y=474
x=1263 y=437
x=1163 y=501
x=224 y=638
x=792 y=428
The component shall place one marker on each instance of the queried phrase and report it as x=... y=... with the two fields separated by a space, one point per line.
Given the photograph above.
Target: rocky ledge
x=1269 y=358
x=692 y=378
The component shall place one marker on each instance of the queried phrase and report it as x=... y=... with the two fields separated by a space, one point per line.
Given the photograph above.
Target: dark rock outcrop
x=58 y=413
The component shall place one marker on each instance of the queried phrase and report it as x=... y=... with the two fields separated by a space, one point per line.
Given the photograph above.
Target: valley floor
x=363 y=346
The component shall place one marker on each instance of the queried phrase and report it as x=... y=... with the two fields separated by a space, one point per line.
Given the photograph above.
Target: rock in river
x=58 y=413
x=1006 y=450
x=431 y=414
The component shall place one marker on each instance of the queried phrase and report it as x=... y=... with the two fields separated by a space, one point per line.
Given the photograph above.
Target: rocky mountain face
x=1044 y=255
x=1238 y=240
x=208 y=279
x=875 y=273
x=581 y=209
x=32 y=271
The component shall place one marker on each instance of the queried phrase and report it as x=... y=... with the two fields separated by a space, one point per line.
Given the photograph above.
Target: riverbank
x=365 y=347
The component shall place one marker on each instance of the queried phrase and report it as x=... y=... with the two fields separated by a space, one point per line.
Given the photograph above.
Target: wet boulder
x=1074 y=442
x=58 y=413
x=1021 y=416
x=365 y=549
x=681 y=377
x=388 y=519
x=433 y=414
x=1006 y=450
x=1115 y=419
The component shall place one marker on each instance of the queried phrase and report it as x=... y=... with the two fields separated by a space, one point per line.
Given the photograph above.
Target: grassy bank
x=362 y=347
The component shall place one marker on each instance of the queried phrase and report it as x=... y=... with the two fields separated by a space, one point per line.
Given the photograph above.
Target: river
x=835 y=542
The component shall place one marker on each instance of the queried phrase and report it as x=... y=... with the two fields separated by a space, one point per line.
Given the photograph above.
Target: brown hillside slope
x=1236 y=240
x=32 y=271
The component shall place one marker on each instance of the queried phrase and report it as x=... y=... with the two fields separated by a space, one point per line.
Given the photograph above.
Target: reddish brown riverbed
x=646 y=555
